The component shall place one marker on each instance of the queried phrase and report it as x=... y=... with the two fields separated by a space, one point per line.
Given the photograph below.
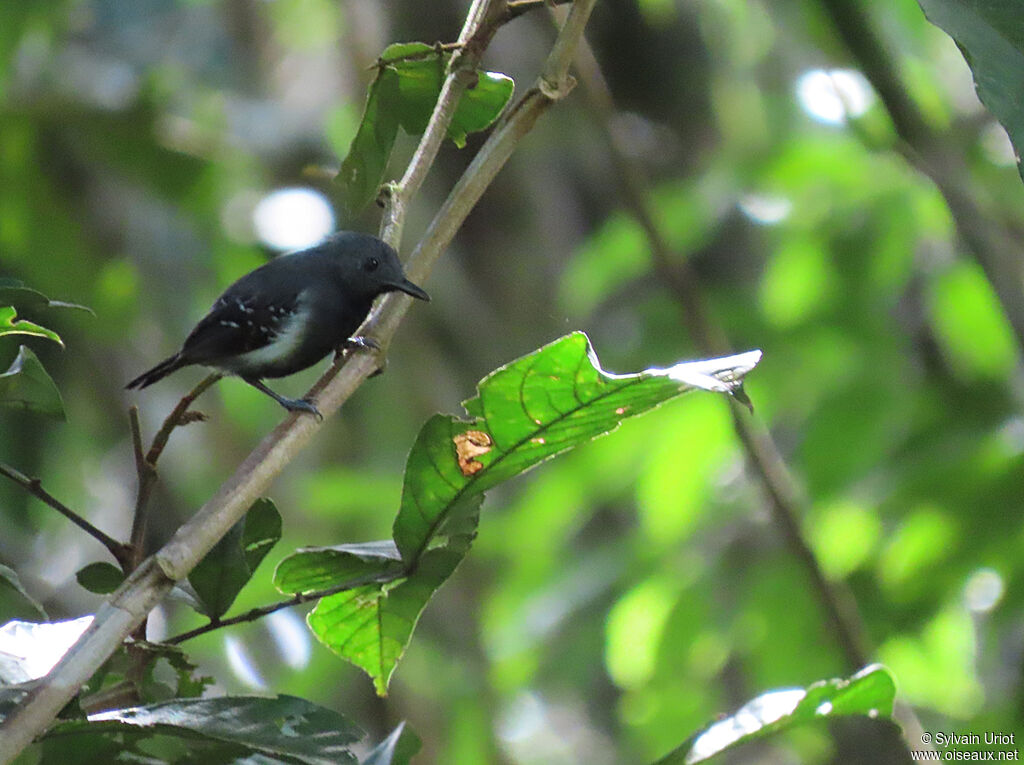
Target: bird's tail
x=158 y=372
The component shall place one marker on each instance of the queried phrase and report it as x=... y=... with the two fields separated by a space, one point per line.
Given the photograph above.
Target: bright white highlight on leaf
x=824 y=708
x=241 y=663
x=752 y=716
x=721 y=375
x=291 y=638
x=29 y=650
x=766 y=209
x=984 y=590
x=293 y=218
x=831 y=96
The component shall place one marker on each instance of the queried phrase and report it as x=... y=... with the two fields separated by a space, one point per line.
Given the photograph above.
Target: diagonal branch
x=151 y=581
x=303 y=597
x=782 y=492
x=119 y=550
x=994 y=244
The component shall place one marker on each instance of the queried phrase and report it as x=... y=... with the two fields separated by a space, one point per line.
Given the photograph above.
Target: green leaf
x=100 y=577
x=318 y=568
x=227 y=568
x=8 y=326
x=991 y=37
x=404 y=93
x=371 y=626
x=26 y=385
x=15 y=602
x=530 y=410
x=397 y=749
x=13 y=292
x=870 y=692
x=282 y=726
x=168 y=674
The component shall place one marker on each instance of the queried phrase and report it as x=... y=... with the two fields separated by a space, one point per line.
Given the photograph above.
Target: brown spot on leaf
x=469 y=446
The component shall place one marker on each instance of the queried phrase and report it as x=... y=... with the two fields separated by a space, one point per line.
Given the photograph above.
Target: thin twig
x=517 y=8
x=152 y=580
x=303 y=597
x=145 y=462
x=34 y=486
x=177 y=416
x=764 y=456
x=146 y=477
x=994 y=244
x=481 y=23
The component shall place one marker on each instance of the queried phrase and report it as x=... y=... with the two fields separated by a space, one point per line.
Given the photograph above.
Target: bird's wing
x=238 y=324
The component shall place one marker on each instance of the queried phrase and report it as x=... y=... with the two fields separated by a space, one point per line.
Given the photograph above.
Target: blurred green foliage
x=620 y=598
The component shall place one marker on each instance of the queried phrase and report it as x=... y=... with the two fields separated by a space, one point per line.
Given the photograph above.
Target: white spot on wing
x=286 y=337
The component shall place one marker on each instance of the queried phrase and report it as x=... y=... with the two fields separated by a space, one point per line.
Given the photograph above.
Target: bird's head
x=371 y=265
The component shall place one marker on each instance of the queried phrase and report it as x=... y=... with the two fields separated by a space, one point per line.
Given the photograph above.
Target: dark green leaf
x=100 y=577
x=227 y=568
x=282 y=726
x=13 y=292
x=15 y=602
x=168 y=674
x=403 y=94
x=530 y=410
x=26 y=385
x=870 y=692
x=397 y=749
x=362 y=170
x=991 y=37
x=8 y=326
x=318 y=568
x=370 y=626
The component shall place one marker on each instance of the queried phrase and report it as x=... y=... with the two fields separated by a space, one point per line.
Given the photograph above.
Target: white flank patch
x=287 y=339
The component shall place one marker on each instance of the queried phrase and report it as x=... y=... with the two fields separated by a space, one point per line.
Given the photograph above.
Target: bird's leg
x=291 y=404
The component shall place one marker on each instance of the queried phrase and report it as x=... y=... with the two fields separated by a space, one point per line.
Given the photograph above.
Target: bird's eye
x=371 y=264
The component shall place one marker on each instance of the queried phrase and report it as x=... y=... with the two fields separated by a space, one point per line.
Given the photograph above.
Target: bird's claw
x=302 y=405
x=360 y=343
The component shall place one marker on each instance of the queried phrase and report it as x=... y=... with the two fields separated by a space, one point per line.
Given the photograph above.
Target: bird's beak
x=409 y=288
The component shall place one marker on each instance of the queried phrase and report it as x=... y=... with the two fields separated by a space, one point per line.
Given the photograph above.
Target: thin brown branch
x=260 y=611
x=145 y=462
x=34 y=486
x=784 y=498
x=146 y=477
x=517 y=8
x=178 y=416
x=993 y=243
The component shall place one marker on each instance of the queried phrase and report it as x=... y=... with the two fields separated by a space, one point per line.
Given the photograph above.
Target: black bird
x=291 y=312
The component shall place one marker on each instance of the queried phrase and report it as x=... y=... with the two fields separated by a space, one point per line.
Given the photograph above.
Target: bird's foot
x=301 y=405
x=291 y=404
x=360 y=343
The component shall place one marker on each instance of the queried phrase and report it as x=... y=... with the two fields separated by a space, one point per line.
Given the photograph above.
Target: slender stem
x=259 y=612
x=994 y=244
x=480 y=25
x=146 y=477
x=178 y=417
x=784 y=498
x=152 y=580
x=34 y=486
